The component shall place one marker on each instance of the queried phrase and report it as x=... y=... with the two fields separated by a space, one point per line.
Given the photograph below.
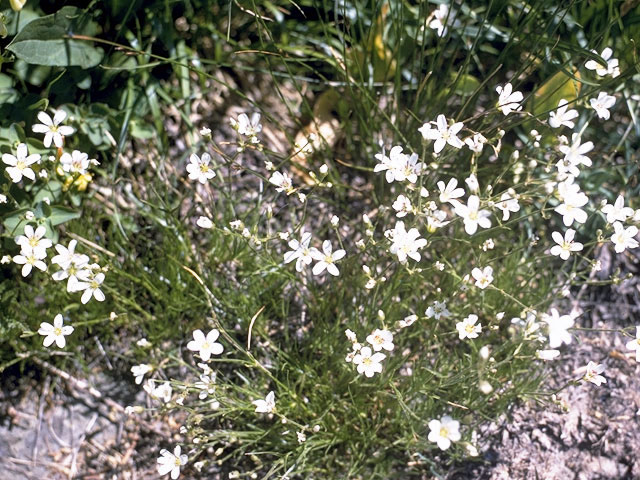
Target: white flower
x=547 y=355
x=444 y=431
x=562 y=117
x=402 y=206
x=55 y=332
x=472 y=216
x=574 y=156
x=29 y=258
x=467 y=328
x=593 y=374
x=90 y=282
x=443 y=134
x=205 y=346
x=70 y=262
x=34 y=240
x=565 y=245
x=557 y=328
x=139 y=371
x=268 y=405
x=326 y=259
x=617 y=211
x=436 y=219
x=602 y=104
x=483 y=277
x=20 y=165
x=405 y=243
x=635 y=344
x=204 y=222
x=161 y=392
x=572 y=199
x=399 y=166
x=205 y=132
x=300 y=251
x=199 y=168
x=509 y=100
x=380 y=339
x=475 y=143
x=77 y=162
x=207 y=385
x=248 y=127
x=441 y=19
x=450 y=193
x=508 y=203
x=52 y=128
x=283 y=182
x=437 y=310
x=368 y=362
x=171 y=462
x=612 y=64
x=622 y=238
x=472 y=183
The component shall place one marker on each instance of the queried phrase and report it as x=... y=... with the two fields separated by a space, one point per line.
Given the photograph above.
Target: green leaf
x=556 y=88
x=467 y=85
x=62 y=214
x=45 y=41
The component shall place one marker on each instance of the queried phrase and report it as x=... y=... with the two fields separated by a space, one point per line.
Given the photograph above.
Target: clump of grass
x=349 y=309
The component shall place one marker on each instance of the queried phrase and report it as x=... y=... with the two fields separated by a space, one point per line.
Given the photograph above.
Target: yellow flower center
x=20 y=165
x=204 y=168
x=469 y=328
x=33 y=241
x=57 y=331
x=444 y=432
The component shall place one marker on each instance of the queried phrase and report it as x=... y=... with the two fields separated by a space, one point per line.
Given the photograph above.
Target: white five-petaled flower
x=171 y=462
x=76 y=162
x=199 y=168
x=437 y=310
x=635 y=344
x=476 y=142
x=205 y=346
x=139 y=371
x=622 y=238
x=399 y=166
x=381 y=339
x=55 y=332
x=30 y=258
x=593 y=374
x=602 y=104
x=573 y=199
x=204 y=222
x=52 y=129
x=612 y=67
x=283 y=182
x=444 y=431
x=35 y=240
x=557 y=328
x=562 y=116
x=20 y=165
x=574 y=155
x=402 y=206
x=161 y=392
x=300 y=251
x=442 y=134
x=88 y=281
x=509 y=100
x=368 y=362
x=451 y=192
x=472 y=215
x=405 y=243
x=248 y=127
x=268 y=405
x=326 y=259
x=483 y=277
x=565 y=245
x=468 y=328
x=508 y=203
x=71 y=264
x=617 y=211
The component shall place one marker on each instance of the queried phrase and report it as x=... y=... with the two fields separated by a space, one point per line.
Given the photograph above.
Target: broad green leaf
x=467 y=85
x=45 y=41
x=61 y=214
x=559 y=86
